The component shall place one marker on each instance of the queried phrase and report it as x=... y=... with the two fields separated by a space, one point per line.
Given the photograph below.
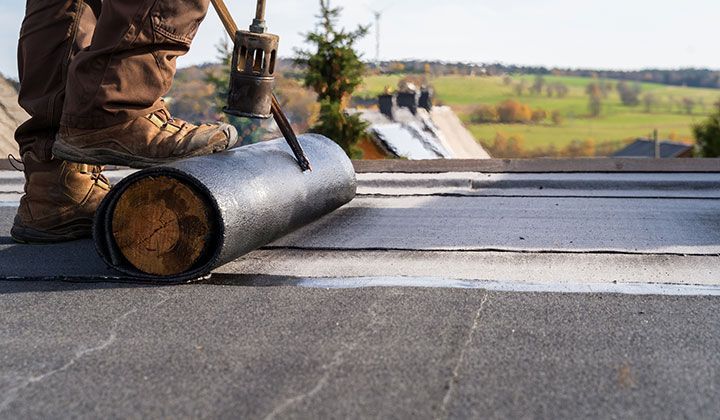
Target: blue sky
x=610 y=34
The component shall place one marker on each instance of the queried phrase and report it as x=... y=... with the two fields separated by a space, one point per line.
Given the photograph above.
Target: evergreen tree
x=707 y=134
x=334 y=71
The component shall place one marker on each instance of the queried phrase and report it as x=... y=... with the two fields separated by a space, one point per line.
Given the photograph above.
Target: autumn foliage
x=511 y=112
x=513 y=146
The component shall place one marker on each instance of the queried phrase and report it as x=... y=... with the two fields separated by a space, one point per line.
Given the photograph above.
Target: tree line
x=631 y=95
x=511 y=111
x=513 y=146
x=538 y=87
x=693 y=77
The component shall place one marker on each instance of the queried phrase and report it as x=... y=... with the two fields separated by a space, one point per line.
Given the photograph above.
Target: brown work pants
x=93 y=64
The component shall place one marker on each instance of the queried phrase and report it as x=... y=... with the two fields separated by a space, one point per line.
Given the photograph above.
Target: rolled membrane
x=177 y=222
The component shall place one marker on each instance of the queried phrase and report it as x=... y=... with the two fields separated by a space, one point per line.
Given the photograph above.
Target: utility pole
x=656 y=138
x=378 y=16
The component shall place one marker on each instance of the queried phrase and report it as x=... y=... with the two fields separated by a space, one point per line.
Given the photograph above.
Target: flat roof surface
x=459 y=294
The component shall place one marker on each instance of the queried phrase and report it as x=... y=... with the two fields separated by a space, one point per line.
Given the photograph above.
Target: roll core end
x=161 y=226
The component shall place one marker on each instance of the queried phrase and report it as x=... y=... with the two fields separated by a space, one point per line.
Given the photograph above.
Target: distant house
x=408 y=126
x=646 y=148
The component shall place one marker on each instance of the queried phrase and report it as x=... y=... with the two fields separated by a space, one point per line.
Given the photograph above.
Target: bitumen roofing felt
x=462 y=294
x=560 y=217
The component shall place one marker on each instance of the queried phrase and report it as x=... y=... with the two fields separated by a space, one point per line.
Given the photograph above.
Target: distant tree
x=678 y=104
x=550 y=151
x=707 y=135
x=557 y=118
x=538 y=85
x=520 y=87
x=609 y=86
x=511 y=111
x=587 y=148
x=561 y=90
x=484 y=114
x=192 y=98
x=334 y=71
x=539 y=115
x=580 y=148
x=506 y=147
x=629 y=94
x=396 y=67
x=298 y=102
x=249 y=130
x=688 y=105
x=427 y=69
x=550 y=91
x=703 y=106
x=595 y=99
x=605 y=88
x=650 y=101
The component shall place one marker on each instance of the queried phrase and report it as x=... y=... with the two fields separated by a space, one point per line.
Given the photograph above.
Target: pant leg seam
x=43 y=149
x=68 y=118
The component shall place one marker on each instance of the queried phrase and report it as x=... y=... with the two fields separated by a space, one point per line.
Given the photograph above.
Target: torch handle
x=225 y=17
x=289 y=134
x=260 y=13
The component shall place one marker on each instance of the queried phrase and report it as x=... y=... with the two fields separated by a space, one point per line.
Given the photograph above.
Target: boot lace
x=164 y=114
x=97 y=175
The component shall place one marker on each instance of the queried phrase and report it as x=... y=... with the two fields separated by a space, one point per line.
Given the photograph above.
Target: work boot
x=146 y=141
x=59 y=202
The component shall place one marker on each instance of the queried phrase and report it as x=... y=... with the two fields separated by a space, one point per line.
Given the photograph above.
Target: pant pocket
x=178 y=20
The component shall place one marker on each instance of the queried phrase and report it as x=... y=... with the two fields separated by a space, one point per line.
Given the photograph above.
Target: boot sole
x=99 y=156
x=27 y=235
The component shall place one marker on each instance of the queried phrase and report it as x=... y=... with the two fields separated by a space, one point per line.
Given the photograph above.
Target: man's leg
x=113 y=113
x=60 y=197
x=51 y=34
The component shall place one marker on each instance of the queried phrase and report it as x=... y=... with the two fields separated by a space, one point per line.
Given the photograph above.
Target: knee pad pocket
x=175 y=20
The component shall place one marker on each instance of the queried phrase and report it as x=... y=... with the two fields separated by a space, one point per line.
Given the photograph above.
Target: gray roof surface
x=229 y=349
x=642 y=148
x=461 y=294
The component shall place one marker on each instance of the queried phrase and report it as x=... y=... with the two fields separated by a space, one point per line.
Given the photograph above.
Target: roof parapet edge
x=601 y=165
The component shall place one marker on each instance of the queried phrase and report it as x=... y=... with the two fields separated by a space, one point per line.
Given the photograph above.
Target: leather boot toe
x=146 y=141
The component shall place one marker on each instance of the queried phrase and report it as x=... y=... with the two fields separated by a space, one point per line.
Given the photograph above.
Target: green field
x=617 y=123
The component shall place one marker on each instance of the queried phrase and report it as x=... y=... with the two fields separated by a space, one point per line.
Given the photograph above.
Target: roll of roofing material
x=179 y=221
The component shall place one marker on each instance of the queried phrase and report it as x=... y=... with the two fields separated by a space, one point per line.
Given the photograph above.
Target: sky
x=598 y=34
